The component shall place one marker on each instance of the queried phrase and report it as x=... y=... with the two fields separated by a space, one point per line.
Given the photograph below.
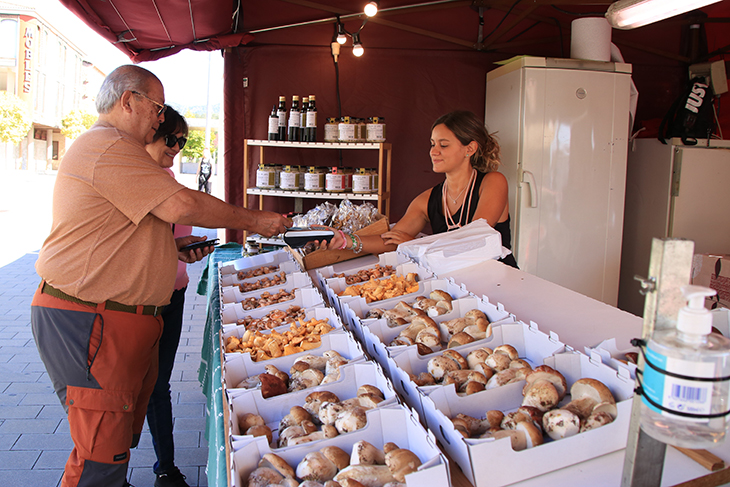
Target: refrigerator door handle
x=529 y=179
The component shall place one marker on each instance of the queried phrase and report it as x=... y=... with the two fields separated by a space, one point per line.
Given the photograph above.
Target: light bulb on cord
x=371 y=9
x=357 y=49
x=341 y=36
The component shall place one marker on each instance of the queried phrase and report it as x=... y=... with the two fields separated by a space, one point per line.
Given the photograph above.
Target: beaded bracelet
x=344 y=240
x=359 y=246
x=354 y=242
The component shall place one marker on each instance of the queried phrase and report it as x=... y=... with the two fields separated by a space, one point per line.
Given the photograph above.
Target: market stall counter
x=579 y=322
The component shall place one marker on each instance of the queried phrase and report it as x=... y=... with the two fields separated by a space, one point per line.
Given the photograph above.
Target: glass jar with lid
x=266 y=176
x=314 y=179
x=346 y=130
x=361 y=130
x=376 y=129
x=331 y=130
x=291 y=178
x=362 y=181
x=338 y=180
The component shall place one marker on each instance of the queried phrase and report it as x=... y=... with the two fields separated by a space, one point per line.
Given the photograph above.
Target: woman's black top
x=438 y=220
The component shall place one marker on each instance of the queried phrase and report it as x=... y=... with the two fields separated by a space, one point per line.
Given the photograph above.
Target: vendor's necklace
x=457 y=196
x=450 y=223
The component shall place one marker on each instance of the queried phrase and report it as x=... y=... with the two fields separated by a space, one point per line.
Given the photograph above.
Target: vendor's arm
x=196 y=208
x=493 y=194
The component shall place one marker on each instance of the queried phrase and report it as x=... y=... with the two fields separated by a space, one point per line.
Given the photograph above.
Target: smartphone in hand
x=200 y=245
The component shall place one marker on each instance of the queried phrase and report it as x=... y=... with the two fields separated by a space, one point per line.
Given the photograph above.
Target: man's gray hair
x=125 y=78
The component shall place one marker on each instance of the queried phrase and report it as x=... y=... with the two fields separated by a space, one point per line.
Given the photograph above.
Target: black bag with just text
x=691 y=115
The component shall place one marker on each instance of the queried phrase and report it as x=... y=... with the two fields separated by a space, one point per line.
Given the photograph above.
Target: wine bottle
x=281 y=112
x=294 y=119
x=303 y=118
x=273 y=125
x=311 y=120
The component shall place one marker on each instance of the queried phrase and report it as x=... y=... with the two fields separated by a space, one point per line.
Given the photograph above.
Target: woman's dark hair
x=174 y=122
x=467 y=127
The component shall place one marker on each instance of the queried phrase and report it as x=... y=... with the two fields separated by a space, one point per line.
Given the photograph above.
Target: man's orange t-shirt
x=104 y=242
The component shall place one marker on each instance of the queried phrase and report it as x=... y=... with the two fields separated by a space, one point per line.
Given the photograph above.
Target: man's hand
x=191 y=256
x=268 y=223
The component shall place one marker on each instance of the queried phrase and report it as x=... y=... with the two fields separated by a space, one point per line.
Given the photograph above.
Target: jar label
x=361 y=183
x=289 y=180
x=330 y=132
x=336 y=182
x=681 y=395
x=314 y=181
x=376 y=132
x=347 y=132
x=266 y=179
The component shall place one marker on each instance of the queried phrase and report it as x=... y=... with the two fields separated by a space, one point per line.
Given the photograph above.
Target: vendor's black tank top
x=438 y=220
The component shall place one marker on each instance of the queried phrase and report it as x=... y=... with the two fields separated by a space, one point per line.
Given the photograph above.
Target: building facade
x=51 y=76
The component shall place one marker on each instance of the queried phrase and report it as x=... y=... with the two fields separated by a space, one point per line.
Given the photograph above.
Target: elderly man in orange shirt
x=108 y=268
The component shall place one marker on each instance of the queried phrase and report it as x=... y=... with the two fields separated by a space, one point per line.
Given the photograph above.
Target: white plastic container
x=680 y=406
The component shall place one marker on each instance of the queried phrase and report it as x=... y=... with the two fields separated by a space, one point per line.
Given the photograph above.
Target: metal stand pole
x=670 y=268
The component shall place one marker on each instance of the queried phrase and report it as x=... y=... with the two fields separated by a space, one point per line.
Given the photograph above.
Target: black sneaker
x=173 y=478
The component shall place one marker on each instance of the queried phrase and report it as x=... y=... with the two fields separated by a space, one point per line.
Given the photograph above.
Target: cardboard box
x=239 y=366
x=353 y=266
x=395 y=424
x=321 y=258
x=531 y=344
x=713 y=271
x=273 y=409
x=304 y=298
x=317 y=313
x=231 y=279
x=443 y=403
x=353 y=309
x=608 y=353
x=378 y=335
x=254 y=261
x=334 y=286
x=298 y=280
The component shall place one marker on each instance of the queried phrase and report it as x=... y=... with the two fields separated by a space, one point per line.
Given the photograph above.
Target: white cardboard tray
x=298 y=280
x=531 y=344
x=350 y=267
x=255 y=261
x=395 y=424
x=334 y=286
x=443 y=403
x=304 y=298
x=377 y=334
x=275 y=408
x=288 y=268
x=309 y=313
x=239 y=366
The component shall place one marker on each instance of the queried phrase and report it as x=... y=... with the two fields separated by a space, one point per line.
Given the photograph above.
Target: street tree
x=77 y=122
x=15 y=118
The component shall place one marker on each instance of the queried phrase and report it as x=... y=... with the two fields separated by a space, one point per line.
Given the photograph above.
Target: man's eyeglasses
x=161 y=107
x=171 y=140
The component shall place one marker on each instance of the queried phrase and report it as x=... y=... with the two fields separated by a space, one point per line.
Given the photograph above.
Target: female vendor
x=463 y=150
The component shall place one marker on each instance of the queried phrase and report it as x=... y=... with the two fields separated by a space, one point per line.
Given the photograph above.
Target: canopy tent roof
x=152 y=29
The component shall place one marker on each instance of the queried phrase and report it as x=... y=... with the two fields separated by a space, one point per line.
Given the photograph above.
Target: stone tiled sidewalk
x=34 y=433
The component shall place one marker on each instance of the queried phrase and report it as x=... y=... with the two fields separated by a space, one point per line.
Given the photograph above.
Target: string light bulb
x=341 y=36
x=371 y=9
x=357 y=49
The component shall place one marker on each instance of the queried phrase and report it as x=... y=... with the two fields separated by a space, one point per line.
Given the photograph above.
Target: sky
x=184 y=75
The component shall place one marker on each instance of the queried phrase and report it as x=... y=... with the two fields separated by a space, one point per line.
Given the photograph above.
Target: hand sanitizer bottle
x=685 y=397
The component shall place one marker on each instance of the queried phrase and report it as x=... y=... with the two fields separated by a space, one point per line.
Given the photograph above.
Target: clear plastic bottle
x=690 y=350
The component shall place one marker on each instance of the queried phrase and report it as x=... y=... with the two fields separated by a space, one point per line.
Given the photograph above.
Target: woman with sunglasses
x=169 y=140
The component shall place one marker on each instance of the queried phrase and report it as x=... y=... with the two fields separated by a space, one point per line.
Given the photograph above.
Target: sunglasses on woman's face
x=171 y=140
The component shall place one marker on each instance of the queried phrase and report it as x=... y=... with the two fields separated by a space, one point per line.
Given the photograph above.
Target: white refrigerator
x=673 y=191
x=563 y=128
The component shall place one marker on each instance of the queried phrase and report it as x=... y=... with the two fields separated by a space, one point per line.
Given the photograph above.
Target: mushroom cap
x=560 y=423
x=501 y=378
x=401 y=462
x=440 y=295
x=411 y=331
x=329 y=411
x=299 y=414
x=365 y=453
x=517 y=438
x=484 y=369
x=508 y=350
x=455 y=326
x=533 y=433
x=337 y=455
x=367 y=475
x=471 y=387
x=596 y=420
x=389 y=447
x=498 y=361
x=272 y=460
x=263 y=476
x=457 y=357
x=543 y=395
x=428 y=338
x=315 y=466
x=247 y=420
x=534 y=413
x=461 y=338
x=595 y=389
x=440 y=365
x=475 y=314
x=545 y=372
x=369 y=401
x=314 y=401
x=494 y=418
x=370 y=389
x=351 y=420
x=477 y=356
x=462 y=425
x=519 y=363
x=606 y=407
x=261 y=430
